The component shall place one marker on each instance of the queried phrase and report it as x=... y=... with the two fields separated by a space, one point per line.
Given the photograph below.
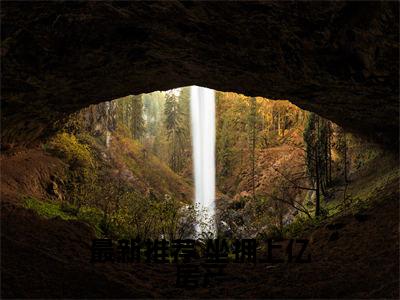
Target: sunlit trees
x=253 y=120
x=155 y=134
x=186 y=143
x=137 y=125
x=231 y=136
x=129 y=113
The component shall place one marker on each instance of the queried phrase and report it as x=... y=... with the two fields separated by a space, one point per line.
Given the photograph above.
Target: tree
x=155 y=134
x=137 y=124
x=252 y=120
x=175 y=130
x=342 y=147
x=318 y=158
x=129 y=114
x=184 y=110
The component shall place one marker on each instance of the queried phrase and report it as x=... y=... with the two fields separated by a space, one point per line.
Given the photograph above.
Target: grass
x=92 y=216
x=370 y=185
x=47 y=209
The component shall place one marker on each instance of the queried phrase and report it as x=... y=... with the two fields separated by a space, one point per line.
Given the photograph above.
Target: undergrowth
x=48 y=210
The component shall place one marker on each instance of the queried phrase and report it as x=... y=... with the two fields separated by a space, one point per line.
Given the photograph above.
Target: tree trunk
x=329 y=155
x=317 y=174
x=326 y=158
x=279 y=123
x=254 y=149
x=345 y=159
x=317 y=191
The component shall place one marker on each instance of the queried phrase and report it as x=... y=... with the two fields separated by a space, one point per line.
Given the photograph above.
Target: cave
x=339 y=60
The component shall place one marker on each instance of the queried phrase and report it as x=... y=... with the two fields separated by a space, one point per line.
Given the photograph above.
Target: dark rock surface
x=337 y=59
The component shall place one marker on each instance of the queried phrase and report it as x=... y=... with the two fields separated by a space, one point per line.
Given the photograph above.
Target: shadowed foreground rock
x=50 y=259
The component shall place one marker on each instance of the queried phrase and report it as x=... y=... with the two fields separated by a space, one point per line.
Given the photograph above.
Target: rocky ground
x=354 y=255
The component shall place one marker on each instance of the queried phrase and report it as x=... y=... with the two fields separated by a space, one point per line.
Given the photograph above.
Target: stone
x=337 y=59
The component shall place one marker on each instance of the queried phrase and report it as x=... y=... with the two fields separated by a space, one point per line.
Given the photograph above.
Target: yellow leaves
x=68 y=146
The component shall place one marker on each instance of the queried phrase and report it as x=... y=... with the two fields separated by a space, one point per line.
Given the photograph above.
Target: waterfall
x=202 y=110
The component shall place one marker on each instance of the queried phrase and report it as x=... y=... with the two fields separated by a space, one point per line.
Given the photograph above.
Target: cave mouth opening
x=268 y=165
x=129 y=175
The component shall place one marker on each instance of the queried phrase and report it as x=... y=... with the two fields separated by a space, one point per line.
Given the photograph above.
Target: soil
x=352 y=256
x=28 y=172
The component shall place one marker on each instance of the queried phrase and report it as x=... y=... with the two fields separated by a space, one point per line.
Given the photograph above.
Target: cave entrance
x=136 y=163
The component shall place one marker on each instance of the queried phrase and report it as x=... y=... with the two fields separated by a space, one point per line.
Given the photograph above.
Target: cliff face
x=337 y=59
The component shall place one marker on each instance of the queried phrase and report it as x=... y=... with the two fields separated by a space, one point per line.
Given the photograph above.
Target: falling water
x=202 y=108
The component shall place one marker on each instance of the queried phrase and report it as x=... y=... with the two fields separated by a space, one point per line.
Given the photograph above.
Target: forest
x=125 y=170
x=279 y=169
x=199 y=149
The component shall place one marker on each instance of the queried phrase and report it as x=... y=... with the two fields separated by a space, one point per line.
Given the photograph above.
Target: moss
x=69 y=208
x=47 y=209
x=91 y=215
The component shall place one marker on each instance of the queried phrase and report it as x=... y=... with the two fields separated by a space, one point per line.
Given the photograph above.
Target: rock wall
x=337 y=59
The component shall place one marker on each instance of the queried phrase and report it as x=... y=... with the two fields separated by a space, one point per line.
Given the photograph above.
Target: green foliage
x=46 y=209
x=310 y=136
x=137 y=126
x=253 y=120
x=155 y=138
x=129 y=113
x=317 y=138
x=316 y=134
x=300 y=225
x=91 y=215
x=69 y=209
x=230 y=134
x=80 y=181
x=175 y=129
x=246 y=126
x=68 y=147
x=274 y=233
x=145 y=218
x=225 y=158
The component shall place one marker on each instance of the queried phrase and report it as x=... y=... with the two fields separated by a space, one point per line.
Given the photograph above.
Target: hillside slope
x=354 y=255
x=36 y=172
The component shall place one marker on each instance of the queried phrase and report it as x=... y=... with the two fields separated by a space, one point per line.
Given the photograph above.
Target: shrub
x=274 y=232
x=67 y=146
x=93 y=216
x=68 y=208
x=298 y=226
x=80 y=181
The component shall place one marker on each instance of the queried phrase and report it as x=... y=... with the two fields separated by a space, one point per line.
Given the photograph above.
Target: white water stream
x=202 y=110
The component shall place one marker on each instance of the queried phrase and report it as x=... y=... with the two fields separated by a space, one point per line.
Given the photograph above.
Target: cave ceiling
x=337 y=59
